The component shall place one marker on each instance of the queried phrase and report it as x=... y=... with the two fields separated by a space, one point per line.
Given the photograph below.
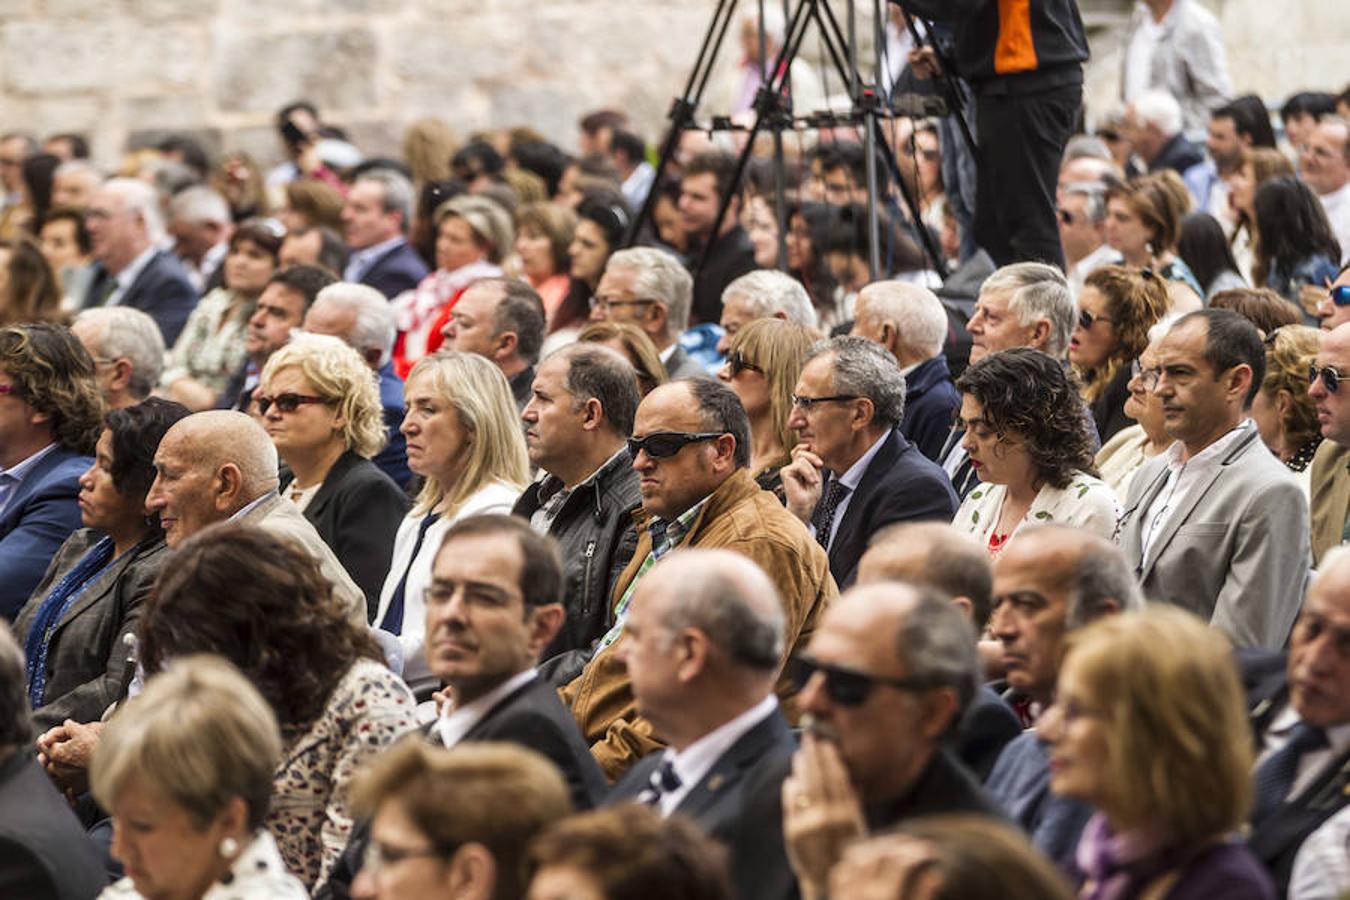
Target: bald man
x=219 y=466
x=702 y=645
x=1330 y=479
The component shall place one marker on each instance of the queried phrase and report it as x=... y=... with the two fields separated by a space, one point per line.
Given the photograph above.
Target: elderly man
x=1153 y=125
x=501 y=319
x=911 y=322
x=719 y=251
x=1324 y=165
x=650 y=289
x=316 y=246
x=763 y=294
x=702 y=650
x=361 y=317
x=853 y=473
x=50 y=417
x=126 y=231
x=201 y=223
x=220 y=465
x=1082 y=231
x=1302 y=723
x=886 y=676
x=1217 y=524
x=74 y=183
x=1021 y=305
x=127 y=349
x=375 y=220
x=1049 y=582
x=691 y=451
x=1330 y=477
x=576 y=427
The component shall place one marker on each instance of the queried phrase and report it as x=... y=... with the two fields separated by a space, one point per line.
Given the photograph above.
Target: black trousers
x=1021 y=141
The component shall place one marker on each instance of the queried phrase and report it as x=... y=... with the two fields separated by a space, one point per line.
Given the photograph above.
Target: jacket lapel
x=850 y=526
x=733 y=764
x=331 y=482
x=31 y=482
x=97 y=588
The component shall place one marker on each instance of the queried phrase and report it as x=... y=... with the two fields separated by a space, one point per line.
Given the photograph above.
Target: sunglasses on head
x=287 y=403
x=844 y=686
x=665 y=444
x=738 y=364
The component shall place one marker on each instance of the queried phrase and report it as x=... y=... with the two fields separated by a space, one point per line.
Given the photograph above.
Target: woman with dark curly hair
x=235 y=591
x=1029 y=442
x=1284 y=413
x=1116 y=309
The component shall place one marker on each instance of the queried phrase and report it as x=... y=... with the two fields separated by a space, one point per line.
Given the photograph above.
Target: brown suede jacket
x=741 y=517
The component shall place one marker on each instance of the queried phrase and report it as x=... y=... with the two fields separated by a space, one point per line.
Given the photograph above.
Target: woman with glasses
x=632 y=342
x=764 y=360
x=236 y=592
x=1143 y=223
x=186 y=768
x=1116 y=308
x=211 y=348
x=1284 y=413
x=320 y=405
x=1121 y=456
x=1030 y=444
x=465 y=440
x=1149 y=726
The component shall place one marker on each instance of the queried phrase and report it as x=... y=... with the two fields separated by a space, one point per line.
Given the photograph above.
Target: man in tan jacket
x=1330 y=487
x=691 y=450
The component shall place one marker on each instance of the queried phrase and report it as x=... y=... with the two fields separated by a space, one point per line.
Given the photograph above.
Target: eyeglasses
x=1149 y=377
x=1085 y=319
x=1330 y=377
x=665 y=444
x=806 y=404
x=287 y=403
x=379 y=855
x=847 y=687
x=608 y=303
x=1340 y=295
x=737 y=362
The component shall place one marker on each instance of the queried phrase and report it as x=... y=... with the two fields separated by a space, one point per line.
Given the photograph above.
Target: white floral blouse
x=1086 y=503
x=211 y=347
x=257 y=874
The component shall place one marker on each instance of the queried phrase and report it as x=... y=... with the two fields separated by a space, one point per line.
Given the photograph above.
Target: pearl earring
x=229 y=847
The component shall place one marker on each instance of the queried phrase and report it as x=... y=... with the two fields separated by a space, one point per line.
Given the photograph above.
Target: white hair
x=127 y=333
x=768 y=292
x=1161 y=327
x=375 y=327
x=1159 y=109
x=660 y=276
x=199 y=205
x=140 y=199
x=1038 y=291
x=919 y=316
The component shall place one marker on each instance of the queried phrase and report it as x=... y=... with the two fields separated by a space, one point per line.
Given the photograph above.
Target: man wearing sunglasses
x=852 y=472
x=1330 y=475
x=1334 y=307
x=691 y=451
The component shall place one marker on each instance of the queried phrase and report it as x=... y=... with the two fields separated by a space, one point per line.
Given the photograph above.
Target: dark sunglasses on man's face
x=287 y=403
x=1330 y=377
x=844 y=686
x=1340 y=295
x=665 y=444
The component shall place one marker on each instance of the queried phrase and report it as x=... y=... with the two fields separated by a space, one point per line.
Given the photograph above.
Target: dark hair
x=317 y=201
x=602 y=118
x=333 y=251
x=38 y=171
x=136 y=433
x=16 y=720
x=1262 y=307
x=598 y=373
x=851 y=156
x=267 y=234
x=1292 y=225
x=720 y=164
x=1313 y=103
x=610 y=212
x=848 y=233
x=1230 y=340
x=817 y=278
x=541 y=578
x=543 y=159
x=1027 y=393
x=191 y=151
x=79 y=147
x=519 y=311
x=76 y=216
x=1203 y=247
x=376 y=164
x=54 y=374
x=264 y=604
x=304 y=280
x=722 y=411
x=284 y=114
x=629 y=144
x=477 y=158
x=1250 y=118
x=33 y=293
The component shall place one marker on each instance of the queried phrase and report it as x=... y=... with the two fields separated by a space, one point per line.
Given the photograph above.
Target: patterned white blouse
x=1086 y=503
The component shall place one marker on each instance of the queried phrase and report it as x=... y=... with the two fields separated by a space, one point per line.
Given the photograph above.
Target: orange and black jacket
x=1013 y=46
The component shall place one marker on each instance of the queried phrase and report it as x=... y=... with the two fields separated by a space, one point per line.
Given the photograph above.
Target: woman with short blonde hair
x=465 y=440
x=189 y=761
x=1284 y=413
x=632 y=342
x=1150 y=727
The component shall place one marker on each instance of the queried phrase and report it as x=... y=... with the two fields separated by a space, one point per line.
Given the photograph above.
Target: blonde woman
x=465 y=440
x=320 y=404
x=1284 y=413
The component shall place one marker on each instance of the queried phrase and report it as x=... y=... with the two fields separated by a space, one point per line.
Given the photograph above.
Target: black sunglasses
x=287 y=403
x=738 y=363
x=665 y=444
x=1330 y=377
x=847 y=687
x=1085 y=319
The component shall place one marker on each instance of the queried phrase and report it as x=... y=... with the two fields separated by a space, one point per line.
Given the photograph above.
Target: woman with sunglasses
x=1284 y=413
x=211 y=348
x=1334 y=306
x=320 y=404
x=764 y=360
x=1149 y=726
x=1121 y=456
x=1029 y=442
x=465 y=440
x=1116 y=308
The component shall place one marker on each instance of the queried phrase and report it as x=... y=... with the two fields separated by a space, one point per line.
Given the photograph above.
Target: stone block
x=480 y=48
x=158 y=10
x=173 y=112
x=84 y=8
x=261 y=72
x=166 y=57
x=47 y=57
x=11 y=9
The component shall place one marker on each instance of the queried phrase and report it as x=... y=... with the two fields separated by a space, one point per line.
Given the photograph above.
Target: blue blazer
x=393 y=459
x=42 y=512
x=161 y=290
x=931 y=402
x=397 y=271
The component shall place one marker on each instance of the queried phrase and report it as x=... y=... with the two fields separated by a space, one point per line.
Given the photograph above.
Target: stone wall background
x=123 y=71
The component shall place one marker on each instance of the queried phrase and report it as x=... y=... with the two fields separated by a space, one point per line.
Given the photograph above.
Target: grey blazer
x=1189 y=62
x=89 y=660
x=1236 y=549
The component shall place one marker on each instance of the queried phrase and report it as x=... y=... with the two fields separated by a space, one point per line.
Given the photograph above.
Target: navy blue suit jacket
x=397 y=271
x=393 y=459
x=161 y=290
x=900 y=485
x=41 y=513
x=931 y=402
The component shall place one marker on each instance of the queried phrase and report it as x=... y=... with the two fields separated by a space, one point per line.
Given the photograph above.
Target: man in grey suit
x=220 y=465
x=1217 y=524
x=650 y=289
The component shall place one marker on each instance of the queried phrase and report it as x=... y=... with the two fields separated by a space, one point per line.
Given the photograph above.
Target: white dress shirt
x=1182 y=475
x=1337 y=206
x=694 y=762
x=1139 y=56
x=453 y=724
x=850 y=480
